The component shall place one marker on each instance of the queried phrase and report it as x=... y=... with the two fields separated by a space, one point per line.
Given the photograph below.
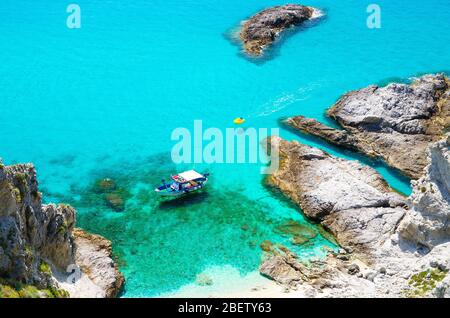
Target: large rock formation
x=36 y=240
x=390 y=249
x=396 y=123
x=264 y=27
x=348 y=198
x=31 y=233
x=94 y=256
x=428 y=222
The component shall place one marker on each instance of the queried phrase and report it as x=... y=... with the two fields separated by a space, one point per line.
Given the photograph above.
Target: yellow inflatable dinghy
x=239 y=120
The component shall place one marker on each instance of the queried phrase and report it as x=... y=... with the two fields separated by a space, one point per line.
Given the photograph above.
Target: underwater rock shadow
x=65 y=160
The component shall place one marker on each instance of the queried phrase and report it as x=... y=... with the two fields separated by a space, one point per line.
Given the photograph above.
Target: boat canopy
x=187 y=176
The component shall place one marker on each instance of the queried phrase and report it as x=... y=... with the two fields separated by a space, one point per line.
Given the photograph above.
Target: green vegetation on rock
x=8 y=292
x=58 y=293
x=21 y=177
x=17 y=195
x=45 y=268
x=29 y=291
x=28 y=251
x=424 y=282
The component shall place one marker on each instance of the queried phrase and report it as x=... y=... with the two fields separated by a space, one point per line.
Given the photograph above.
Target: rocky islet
x=263 y=28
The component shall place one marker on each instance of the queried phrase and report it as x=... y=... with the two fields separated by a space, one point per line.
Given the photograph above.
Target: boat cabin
x=187 y=179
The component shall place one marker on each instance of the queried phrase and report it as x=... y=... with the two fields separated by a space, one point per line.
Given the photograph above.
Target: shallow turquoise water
x=102 y=101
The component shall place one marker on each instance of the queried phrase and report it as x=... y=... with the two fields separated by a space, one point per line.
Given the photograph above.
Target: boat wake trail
x=285 y=100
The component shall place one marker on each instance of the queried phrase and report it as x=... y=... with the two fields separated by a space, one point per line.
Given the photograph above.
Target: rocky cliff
x=392 y=247
x=37 y=241
x=396 y=123
x=263 y=28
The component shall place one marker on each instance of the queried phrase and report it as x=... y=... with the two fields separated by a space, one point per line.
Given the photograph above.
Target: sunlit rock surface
x=37 y=242
x=396 y=123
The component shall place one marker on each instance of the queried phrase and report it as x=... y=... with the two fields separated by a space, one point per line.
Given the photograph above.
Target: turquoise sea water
x=102 y=101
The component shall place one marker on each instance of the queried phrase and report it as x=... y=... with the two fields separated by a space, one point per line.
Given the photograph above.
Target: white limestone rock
x=427 y=222
x=350 y=199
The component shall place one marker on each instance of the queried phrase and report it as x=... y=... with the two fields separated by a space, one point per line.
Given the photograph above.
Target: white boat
x=183 y=183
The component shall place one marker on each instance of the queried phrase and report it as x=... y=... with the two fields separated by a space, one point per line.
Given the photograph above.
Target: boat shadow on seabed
x=186 y=199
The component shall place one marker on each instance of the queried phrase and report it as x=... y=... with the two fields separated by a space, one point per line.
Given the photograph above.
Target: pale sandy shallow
x=227 y=282
x=83 y=288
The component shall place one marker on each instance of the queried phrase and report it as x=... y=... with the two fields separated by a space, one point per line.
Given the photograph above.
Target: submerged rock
x=266 y=245
x=263 y=28
x=396 y=123
x=115 y=201
x=294 y=228
x=299 y=240
x=113 y=196
x=105 y=185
